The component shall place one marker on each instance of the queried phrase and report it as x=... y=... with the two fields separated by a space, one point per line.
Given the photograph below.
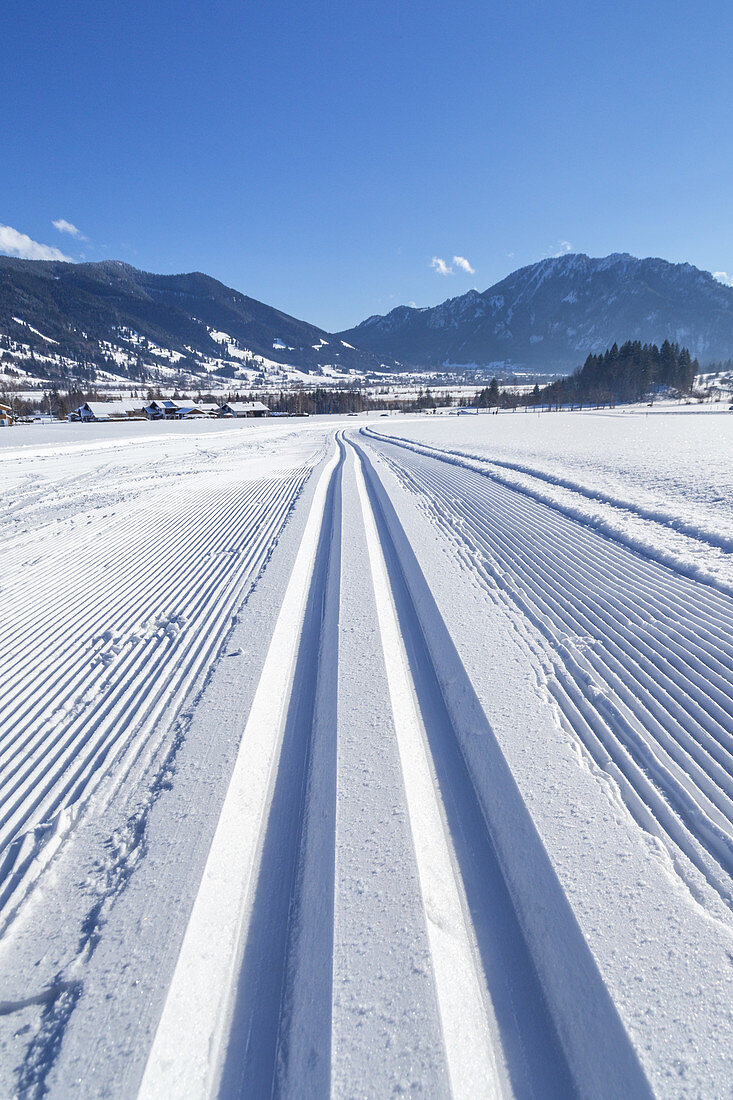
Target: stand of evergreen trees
x=299 y=401
x=318 y=400
x=632 y=372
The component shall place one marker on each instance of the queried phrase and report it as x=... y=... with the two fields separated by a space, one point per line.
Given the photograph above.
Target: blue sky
x=320 y=155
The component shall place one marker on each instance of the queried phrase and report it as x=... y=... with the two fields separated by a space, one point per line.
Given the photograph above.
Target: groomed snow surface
x=370 y=758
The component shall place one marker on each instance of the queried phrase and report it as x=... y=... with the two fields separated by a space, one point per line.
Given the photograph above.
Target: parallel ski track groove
x=98 y=609
x=620 y=626
x=101 y=612
x=49 y=756
x=166 y=531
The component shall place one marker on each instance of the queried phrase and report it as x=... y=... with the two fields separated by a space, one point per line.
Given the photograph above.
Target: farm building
x=168 y=409
x=162 y=409
x=244 y=408
x=122 y=409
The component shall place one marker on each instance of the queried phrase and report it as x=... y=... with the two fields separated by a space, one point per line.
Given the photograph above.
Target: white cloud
x=462 y=262
x=68 y=227
x=723 y=277
x=15 y=243
x=564 y=246
x=441 y=266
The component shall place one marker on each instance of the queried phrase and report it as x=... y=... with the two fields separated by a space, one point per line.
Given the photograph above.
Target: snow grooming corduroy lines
x=142 y=649
x=642 y=655
x=202 y=997
x=539 y=976
x=252 y=990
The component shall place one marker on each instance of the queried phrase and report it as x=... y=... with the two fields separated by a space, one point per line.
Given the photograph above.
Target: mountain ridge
x=548 y=316
x=112 y=317
x=109 y=320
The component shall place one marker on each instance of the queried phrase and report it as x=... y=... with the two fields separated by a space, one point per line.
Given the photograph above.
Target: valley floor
x=368 y=757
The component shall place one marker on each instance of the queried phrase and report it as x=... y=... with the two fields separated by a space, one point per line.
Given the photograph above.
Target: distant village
x=123 y=408
x=164 y=409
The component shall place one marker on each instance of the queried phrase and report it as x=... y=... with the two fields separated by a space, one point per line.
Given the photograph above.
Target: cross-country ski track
x=108 y=655
x=475 y=833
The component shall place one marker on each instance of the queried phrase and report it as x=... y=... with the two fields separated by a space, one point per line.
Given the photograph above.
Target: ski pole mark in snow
x=43 y=1049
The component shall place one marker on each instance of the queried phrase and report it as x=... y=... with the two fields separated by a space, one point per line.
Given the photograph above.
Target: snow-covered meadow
x=401 y=745
x=126 y=552
x=660 y=478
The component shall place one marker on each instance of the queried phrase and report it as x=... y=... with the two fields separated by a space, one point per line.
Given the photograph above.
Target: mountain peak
x=548 y=316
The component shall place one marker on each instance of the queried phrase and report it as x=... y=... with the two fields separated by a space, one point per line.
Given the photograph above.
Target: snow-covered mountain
x=96 y=321
x=549 y=316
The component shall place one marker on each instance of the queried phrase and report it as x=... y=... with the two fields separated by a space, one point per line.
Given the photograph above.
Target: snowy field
x=368 y=757
x=123 y=560
x=659 y=478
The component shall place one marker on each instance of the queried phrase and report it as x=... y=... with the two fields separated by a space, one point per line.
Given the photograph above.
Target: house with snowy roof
x=244 y=408
x=168 y=409
x=162 y=409
x=95 y=411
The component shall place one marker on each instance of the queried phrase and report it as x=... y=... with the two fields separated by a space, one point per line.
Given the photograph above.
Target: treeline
x=493 y=397
x=318 y=400
x=53 y=402
x=321 y=400
x=632 y=372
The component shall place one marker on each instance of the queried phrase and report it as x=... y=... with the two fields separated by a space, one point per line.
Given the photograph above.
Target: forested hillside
x=624 y=374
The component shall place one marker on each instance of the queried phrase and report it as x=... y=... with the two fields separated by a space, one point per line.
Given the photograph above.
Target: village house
x=6 y=416
x=94 y=411
x=168 y=409
x=244 y=408
x=162 y=409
